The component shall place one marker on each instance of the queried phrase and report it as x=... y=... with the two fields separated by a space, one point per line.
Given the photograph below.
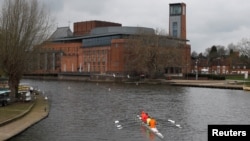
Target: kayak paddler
x=148 y=120
x=144 y=117
x=152 y=124
x=142 y=114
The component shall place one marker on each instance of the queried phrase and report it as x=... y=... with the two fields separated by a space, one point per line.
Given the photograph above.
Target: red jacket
x=144 y=117
x=142 y=114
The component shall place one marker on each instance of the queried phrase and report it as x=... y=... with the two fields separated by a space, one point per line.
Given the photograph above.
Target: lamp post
x=196 y=76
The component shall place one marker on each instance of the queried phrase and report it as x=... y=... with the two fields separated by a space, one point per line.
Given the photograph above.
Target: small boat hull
x=155 y=130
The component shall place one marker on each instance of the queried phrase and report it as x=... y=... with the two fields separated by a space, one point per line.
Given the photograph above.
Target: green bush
x=208 y=76
x=216 y=77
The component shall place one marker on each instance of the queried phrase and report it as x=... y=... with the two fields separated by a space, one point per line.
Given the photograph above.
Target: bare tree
x=150 y=53
x=232 y=47
x=244 y=47
x=23 y=24
x=134 y=54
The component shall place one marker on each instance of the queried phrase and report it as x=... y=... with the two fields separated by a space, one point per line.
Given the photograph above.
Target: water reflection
x=145 y=132
x=86 y=111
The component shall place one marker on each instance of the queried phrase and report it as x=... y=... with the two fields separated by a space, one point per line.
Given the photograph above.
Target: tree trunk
x=13 y=84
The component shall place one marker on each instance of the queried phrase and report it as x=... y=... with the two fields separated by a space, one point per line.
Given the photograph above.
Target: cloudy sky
x=209 y=22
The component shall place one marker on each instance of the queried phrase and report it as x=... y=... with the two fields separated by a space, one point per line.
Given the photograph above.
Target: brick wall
x=84 y=28
x=116 y=62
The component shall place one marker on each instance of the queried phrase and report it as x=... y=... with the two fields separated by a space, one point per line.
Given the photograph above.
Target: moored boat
x=155 y=130
x=25 y=92
x=246 y=88
x=4 y=97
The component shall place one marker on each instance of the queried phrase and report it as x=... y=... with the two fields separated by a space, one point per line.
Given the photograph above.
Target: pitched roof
x=61 y=32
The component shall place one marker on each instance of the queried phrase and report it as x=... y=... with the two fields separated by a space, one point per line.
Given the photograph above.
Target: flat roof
x=109 y=31
x=114 y=30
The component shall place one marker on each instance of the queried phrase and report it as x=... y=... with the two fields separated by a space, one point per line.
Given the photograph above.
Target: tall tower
x=177 y=20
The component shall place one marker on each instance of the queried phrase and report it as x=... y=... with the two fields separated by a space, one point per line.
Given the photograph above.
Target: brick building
x=99 y=51
x=98 y=46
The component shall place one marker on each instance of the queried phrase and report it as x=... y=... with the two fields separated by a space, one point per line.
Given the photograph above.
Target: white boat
x=156 y=132
x=246 y=88
x=25 y=92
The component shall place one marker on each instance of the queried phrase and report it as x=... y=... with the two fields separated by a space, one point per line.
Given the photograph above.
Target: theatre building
x=98 y=47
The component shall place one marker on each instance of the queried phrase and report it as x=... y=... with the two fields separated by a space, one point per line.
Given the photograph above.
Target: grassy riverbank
x=14 y=110
x=17 y=117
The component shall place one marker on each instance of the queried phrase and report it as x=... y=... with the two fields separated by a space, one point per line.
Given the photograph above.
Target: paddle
x=124 y=121
x=170 y=121
x=120 y=124
x=127 y=124
x=173 y=122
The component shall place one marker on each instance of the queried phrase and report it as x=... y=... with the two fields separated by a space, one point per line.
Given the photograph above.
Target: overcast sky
x=209 y=22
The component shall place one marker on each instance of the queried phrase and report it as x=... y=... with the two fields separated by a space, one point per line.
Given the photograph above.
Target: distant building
x=224 y=65
x=98 y=47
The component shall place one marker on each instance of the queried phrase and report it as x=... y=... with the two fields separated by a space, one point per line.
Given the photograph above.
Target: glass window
x=175 y=10
x=175 y=29
x=99 y=41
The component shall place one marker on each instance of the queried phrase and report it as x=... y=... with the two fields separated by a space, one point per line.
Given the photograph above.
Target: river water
x=82 y=111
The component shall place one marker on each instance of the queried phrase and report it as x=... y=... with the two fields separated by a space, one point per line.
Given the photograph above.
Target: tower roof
x=182 y=3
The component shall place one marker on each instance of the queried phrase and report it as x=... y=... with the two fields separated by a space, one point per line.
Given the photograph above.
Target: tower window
x=175 y=10
x=175 y=29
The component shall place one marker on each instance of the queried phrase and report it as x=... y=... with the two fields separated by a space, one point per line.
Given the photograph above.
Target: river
x=83 y=111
